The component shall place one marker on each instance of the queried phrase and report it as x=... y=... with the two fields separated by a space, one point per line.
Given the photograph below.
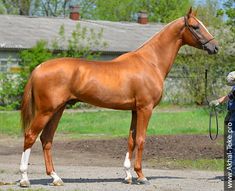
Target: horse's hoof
x=24 y=183
x=143 y=181
x=58 y=182
x=127 y=181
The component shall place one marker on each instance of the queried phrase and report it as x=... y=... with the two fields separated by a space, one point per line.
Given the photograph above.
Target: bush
x=34 y=56
x=10 y=91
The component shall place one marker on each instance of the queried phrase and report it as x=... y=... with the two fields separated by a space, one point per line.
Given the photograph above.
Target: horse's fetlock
x=23 y=168
x=49 y=172
x=137 y=167
x=30 y=138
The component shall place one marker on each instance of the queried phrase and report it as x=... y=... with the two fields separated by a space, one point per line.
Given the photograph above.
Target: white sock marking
x=24 y=164
x=55 y=176
x=127 y=167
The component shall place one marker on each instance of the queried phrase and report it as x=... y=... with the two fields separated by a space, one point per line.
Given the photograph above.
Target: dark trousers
x=230 y=119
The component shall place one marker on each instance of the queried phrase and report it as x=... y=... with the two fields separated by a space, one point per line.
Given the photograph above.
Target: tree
x=208 y=13
x=114 y=10
x=19 y=7
x=87 y=8
x=165 y=10
x=35 y=7
x=53 y=7
x=126 y=10
x=229 y=11
x=24 y=6
x=9 y=7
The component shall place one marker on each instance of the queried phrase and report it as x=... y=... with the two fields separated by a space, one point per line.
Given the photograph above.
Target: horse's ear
x=190 y=12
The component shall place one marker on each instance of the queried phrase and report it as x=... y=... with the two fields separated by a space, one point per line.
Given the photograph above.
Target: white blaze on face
x=203 y=25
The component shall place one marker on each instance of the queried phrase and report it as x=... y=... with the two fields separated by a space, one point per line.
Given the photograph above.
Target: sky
x=220 y=2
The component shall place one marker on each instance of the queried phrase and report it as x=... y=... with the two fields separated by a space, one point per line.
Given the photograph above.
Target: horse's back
x=64 y=79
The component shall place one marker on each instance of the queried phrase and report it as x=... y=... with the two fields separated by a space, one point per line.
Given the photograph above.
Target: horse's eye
x=195 y=27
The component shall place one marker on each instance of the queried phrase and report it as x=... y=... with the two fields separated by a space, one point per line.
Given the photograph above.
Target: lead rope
x=212 y=111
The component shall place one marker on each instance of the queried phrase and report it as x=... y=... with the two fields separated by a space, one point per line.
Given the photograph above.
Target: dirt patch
x=112 y=151
x=190 y=147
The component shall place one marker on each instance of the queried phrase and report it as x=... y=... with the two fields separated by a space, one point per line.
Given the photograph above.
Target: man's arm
x=223 y=99
x=216 y=102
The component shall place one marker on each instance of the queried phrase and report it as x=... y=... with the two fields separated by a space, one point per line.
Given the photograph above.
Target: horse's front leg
x=143 y=116
x=131 y=147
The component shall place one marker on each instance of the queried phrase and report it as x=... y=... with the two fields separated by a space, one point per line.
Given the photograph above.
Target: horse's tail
x=27 y=105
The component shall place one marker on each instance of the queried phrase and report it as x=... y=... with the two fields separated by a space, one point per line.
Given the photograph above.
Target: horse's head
x=196 y=34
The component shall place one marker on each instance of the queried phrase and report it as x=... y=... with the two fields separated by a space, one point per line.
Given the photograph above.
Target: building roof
x=21 y=32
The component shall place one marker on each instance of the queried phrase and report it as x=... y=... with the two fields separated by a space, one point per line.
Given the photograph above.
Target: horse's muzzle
x=211 y=48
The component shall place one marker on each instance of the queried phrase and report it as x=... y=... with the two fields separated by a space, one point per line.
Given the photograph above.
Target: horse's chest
x=150 y=94
x=157 y=95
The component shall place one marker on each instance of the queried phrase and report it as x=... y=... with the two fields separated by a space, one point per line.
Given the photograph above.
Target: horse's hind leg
x=47 y=139
x=131 y=147
x=38 y=123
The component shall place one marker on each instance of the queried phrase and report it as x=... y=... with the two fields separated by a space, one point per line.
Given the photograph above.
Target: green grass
x=187 y=122
x=202 y=164
x=199 y=164
x=10 y=123
x=116 y=123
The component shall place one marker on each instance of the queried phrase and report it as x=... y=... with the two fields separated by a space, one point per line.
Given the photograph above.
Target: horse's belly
x=108 y=97
x=108 y=101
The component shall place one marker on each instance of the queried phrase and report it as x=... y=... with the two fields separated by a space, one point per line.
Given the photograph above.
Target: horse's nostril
x=216 y=48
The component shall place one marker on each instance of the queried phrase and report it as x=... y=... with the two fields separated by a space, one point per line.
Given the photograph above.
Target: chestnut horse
x=133 y=81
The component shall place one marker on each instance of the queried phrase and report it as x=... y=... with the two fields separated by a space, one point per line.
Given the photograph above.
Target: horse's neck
x=162 y=49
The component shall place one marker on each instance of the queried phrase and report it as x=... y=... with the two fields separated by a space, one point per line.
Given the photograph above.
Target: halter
x=201 y=39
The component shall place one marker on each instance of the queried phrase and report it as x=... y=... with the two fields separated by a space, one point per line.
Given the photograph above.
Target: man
x=230 y=118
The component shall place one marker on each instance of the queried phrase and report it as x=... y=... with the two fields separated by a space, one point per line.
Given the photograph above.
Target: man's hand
x=214 y=103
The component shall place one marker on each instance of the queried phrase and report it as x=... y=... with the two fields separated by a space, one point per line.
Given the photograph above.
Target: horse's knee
x=140 y=143
x=46 y=145
x=46 y=142
x=30 y=139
